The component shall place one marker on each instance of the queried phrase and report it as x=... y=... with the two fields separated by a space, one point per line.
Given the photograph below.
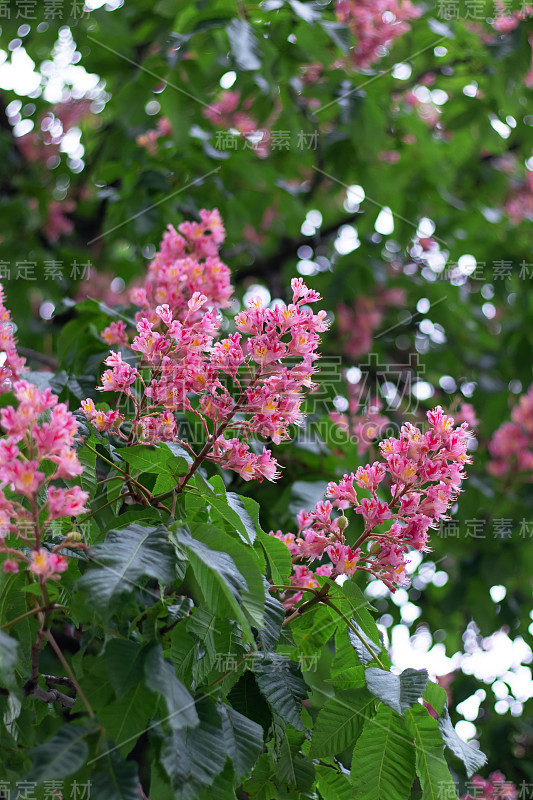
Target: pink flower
x=287 y=539
x=196 y=301
x=47 y=565
x=370 y=477
x=402 y=469
x=165 y=314
x=343 y=490
x=68 y=464
x=10 y=566
x=344 y=559
x=374 y=511
x=66 y=502
x=25 y=476
x=120 y=378
x=375 y=24
x=115 y=333
x=313 y=544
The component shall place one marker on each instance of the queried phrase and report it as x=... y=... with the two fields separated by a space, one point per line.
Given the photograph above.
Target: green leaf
x=306 y=11
x=87 y=459
x=281 y=682
x=126 y=719
x=246 y=698
x=197 y=753
x=240 y=505
x=400 y=692
x=314 y=628
x=149 y=458
x=383 y=763
x=120 y=781
x=472 y=759
x=63 y=754
x=243 y=738
x=340 y=34
x=365 y=652
x=126 y=556
x=247 y=562
x=125 y=664
x=202 y=623
x=260 y=786
x=340 y=721
x=219 y=579
x=333 y=785
x=278 y=556
x=274 y=616
x=8 y=659
x=431 y=766
x=291 y=767
x=183 y=651
x=227 y=511
x=435 y=695
x=160 y=676
x=243 y=43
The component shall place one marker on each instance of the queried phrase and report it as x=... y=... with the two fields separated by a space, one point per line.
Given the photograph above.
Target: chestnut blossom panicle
x=37 y=455
x=250 y=381
x=511 y=446
x=421 y=471
x=13 y=366
x=495 y=787
x=375 y=24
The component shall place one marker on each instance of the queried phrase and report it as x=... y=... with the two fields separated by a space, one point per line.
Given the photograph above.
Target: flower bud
x=73 y=536
x=342 y=523
x=375 y=548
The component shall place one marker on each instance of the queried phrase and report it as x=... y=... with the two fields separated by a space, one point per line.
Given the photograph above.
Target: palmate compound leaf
x=383 y=763
x=126 y=557
x=472 y=759
x=400 y=692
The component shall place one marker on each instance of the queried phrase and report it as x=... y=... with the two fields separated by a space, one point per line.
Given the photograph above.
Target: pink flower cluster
x=423 y=473
x=150 y=138
x=224 y=114
x=37 y=450
x=507 y=20
x=12 y=365
x=186 y=264
x=239 y=385
x=357 y=323
x=511 y=446
x=519 y=202
x=495 y=787
x=375 y=24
